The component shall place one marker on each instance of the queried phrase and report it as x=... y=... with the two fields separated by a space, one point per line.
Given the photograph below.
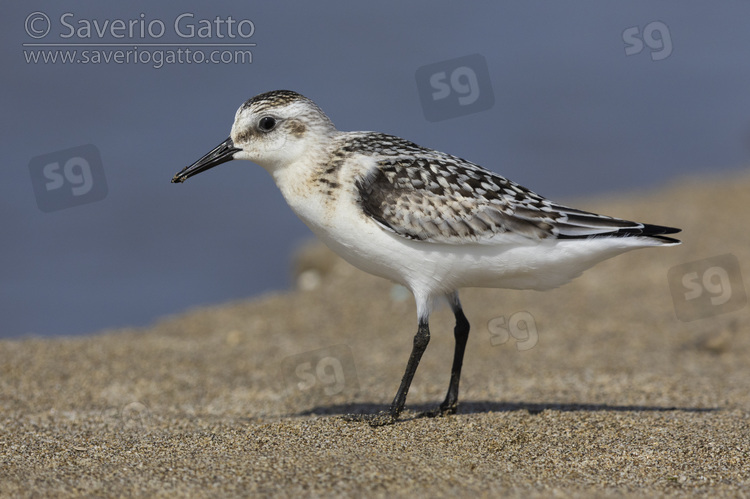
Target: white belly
x=433 y=269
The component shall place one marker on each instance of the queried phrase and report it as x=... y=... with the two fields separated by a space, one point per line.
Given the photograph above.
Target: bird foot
x=439 y=412
x=383 y=418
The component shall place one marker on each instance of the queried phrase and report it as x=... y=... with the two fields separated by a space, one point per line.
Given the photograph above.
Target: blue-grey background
x=573 y=115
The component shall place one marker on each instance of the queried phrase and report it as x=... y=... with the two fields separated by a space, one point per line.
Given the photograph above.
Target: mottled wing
x=440 y=198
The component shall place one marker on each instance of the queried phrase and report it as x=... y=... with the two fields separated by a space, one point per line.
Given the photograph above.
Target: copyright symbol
x=37 y=25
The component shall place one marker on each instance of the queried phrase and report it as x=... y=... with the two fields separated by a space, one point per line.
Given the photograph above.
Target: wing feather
x=435 y=197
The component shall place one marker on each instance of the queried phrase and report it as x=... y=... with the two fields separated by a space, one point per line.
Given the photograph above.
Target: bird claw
x=439 y=412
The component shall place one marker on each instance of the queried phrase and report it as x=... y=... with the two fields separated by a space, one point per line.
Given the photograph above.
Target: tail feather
x=625 y=229
x=656 y=232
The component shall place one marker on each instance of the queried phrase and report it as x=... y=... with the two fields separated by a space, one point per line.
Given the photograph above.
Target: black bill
x=220 y=154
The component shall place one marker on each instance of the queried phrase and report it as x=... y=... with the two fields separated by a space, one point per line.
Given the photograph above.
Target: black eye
x=266 y=124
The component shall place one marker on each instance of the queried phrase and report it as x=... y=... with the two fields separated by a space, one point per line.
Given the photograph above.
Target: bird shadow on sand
x=485 y=407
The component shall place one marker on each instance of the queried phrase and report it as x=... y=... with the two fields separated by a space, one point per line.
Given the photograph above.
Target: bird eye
x=267 y=123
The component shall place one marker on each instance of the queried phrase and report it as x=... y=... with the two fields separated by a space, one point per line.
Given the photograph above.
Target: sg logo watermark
x=68 y=178
x=661 y=45
x=707 y=287
x=455 y=87
x=521 y=326
x=321 y=374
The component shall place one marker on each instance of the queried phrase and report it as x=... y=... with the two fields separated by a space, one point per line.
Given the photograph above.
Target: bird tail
x=658 y=231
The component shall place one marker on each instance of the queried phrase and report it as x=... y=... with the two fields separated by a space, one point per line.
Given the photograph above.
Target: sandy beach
x=632 y=381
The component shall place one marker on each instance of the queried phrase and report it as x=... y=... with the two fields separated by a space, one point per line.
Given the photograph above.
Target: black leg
x=461 y=334
x=421 y=339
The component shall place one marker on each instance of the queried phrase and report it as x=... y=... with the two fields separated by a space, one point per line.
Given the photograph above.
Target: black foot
x=382 y=418
x=439 y=412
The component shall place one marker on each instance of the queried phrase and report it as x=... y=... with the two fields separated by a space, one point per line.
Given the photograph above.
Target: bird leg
x=461 y=334
x=421 y=339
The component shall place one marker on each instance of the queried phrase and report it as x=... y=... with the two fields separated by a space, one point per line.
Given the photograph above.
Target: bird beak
x=220 y=154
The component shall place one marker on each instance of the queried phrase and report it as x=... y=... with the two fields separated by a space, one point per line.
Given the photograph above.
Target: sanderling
x=422 y=218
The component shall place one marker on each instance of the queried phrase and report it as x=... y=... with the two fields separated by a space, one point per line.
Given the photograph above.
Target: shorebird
x=430 y=221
